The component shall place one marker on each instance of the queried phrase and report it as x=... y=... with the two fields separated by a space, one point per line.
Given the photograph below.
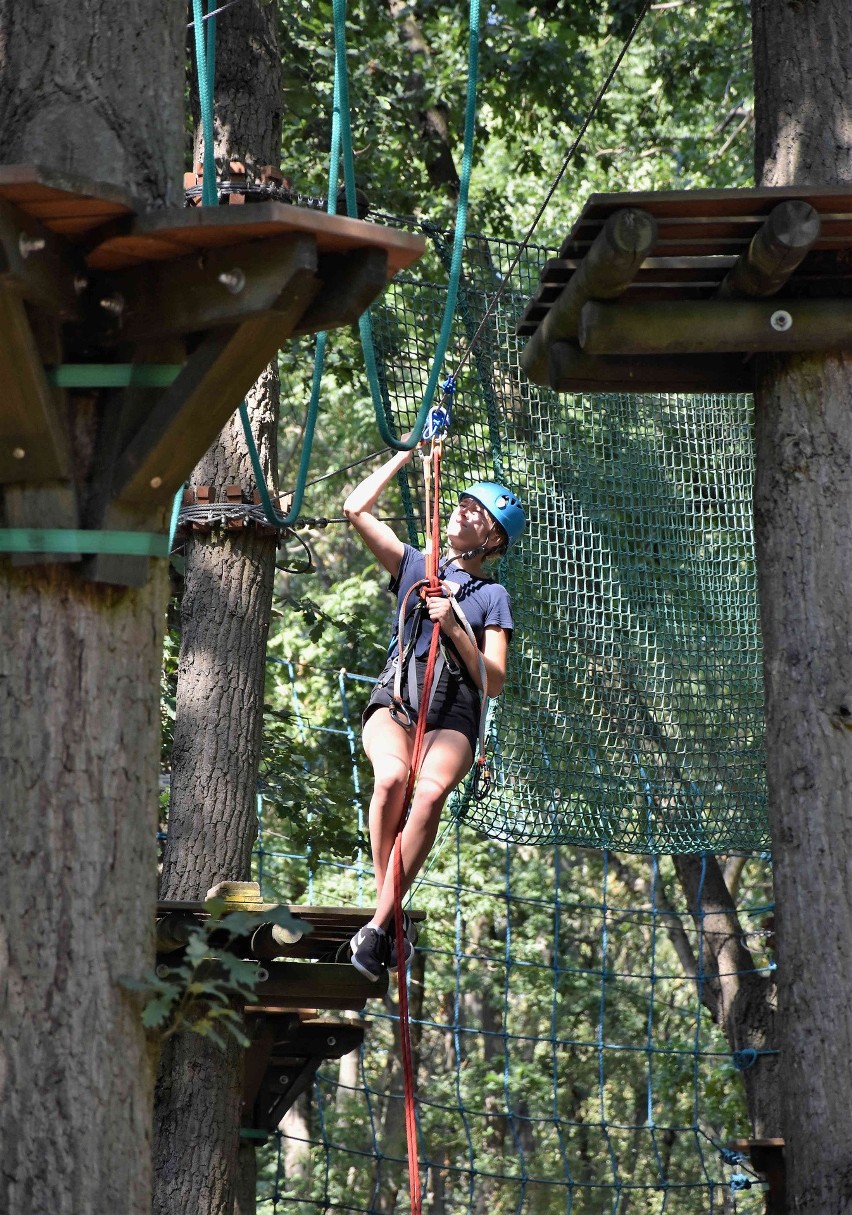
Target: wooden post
x=776 y=249
x=606 y=271
x=716 y=326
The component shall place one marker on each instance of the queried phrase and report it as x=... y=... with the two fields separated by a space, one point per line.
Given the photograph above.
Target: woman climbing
x=488 y=519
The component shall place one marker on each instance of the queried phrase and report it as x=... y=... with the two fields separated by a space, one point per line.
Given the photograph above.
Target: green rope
x=72 y=540
x=365 y=324
x=204 y=61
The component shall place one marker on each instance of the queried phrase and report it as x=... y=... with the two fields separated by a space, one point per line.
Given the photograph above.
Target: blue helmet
x=500 y=502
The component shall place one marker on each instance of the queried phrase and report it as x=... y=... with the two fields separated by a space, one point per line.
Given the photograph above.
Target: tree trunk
x=741 y=1000
x=79 y=690
x=219 y=710
x=803 y=520
x=245 y=1199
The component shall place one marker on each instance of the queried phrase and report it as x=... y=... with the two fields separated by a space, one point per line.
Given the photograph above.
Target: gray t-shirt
x=483 y=601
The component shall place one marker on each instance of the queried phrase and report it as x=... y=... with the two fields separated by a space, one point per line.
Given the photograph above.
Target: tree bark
x=803 y=521
x=219 y=709
x=79 y=690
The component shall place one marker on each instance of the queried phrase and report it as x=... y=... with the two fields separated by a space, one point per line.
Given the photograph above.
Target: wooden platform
x=699 y=238
x=767 y=1159
x=92 y=278
x=116 y=233
x=304 y=972
x=304 y=969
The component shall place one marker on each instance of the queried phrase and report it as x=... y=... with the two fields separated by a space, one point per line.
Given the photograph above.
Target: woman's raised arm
x=381 y=540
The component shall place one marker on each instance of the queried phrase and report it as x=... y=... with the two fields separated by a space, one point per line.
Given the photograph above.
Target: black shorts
x=455 y=705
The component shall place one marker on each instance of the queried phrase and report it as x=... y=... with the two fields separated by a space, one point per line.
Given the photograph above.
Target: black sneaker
x=409 y=931
x=369 y=953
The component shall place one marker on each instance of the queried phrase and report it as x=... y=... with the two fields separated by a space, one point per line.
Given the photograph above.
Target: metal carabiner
x=400 y=714
x=481 y=780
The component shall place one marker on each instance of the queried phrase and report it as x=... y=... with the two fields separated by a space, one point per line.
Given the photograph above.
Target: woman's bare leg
x=388 y=747
x=446 y=761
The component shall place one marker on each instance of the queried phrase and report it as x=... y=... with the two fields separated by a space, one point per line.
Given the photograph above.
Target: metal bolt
x=18 y=453
x=30 y=244
x=156 y=482
x=234 y=280
x=781 y=321
x=262 y=974
x=114 y=304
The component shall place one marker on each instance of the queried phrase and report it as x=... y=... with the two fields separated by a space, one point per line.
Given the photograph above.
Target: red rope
x=433 y=588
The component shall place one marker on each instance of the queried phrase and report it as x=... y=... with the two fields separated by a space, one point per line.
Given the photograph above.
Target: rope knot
x=744 y=1059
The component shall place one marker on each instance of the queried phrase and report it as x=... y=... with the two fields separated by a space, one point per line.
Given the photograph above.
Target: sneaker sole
x=368 y=974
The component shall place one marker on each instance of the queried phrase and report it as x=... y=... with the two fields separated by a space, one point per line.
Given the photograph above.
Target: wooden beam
x=43 y=504
x=350 y=283
x=39 y=265
x=34 y=441
x=717 y=326
x=776 y=249
x=190 y=414
x=572 y=370
x=197 y=293
x=606 y=271
x=317 y=985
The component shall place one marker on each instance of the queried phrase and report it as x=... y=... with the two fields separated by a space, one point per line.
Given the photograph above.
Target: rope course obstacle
x=564 y=1059
x=632 y=716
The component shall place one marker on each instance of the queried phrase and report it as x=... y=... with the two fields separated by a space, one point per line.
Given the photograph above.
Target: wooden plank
x=610 y=266
x=160 y=235
x=314 y=915
x=572 y=370
x=193 y=295
x=758 y=200
x=64 y=202
x=747 y=326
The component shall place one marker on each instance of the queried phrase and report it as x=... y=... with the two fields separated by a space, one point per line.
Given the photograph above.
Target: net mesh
x=632 y=715
x=564 y=1059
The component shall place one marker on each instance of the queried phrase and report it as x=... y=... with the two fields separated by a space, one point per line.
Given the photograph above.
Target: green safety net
x=632 y=716
x=565 y=1062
